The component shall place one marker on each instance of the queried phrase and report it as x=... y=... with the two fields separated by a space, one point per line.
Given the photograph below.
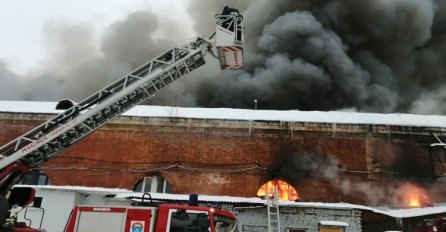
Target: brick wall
x=222 y=157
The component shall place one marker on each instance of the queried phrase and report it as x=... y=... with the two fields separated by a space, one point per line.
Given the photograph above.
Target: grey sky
x=22 y=41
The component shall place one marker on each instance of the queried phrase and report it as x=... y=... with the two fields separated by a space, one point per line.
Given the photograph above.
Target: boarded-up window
x=331 y=229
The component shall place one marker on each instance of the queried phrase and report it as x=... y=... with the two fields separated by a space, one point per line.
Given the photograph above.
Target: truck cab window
x=184 y=221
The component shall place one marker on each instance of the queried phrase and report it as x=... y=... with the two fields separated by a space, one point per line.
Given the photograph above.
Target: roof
x=201 y=198
x=81 y=189
x=251 y=115
x=413 y=212
x=395 y=213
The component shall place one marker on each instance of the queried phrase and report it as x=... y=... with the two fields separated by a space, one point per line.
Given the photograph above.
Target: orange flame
x=286 y=191
x=415 y=196
x=414 y=203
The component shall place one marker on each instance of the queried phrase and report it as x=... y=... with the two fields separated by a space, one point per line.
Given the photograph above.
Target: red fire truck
x=25 y=153
x=157 y=218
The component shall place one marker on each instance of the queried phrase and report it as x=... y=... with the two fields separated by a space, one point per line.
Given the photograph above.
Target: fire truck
x=28 y=151
x=433 y=225
x=151 y=217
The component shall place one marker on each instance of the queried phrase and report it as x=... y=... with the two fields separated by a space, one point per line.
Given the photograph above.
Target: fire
x=286 y=191
x=413 y=203
x=414 y=196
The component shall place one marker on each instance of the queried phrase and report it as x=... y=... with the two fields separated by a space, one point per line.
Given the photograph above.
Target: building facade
x=323 y=161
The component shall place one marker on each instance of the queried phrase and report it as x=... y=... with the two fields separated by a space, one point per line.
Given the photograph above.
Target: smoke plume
x=76 y=66
x=398 y=190
x=371 y=56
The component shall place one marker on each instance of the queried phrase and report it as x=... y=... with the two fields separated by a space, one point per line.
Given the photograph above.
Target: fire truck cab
x=165 y=217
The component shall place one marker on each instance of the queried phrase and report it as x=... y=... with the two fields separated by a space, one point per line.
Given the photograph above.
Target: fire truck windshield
x=225 y=224
x=189 y=221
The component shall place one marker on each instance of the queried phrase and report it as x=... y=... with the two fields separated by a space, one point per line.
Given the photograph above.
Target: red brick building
x=326 y=156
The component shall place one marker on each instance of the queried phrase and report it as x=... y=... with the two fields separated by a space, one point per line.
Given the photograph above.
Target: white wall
x=57 y=206
x=256 y=219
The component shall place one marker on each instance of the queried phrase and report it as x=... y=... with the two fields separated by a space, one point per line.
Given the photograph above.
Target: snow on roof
x=185 y=197
x=229 y=199
x=81 y=189
x=333 y=223
x=29 y=107
x=396 y=213
x=246 y=114
x=413 y=212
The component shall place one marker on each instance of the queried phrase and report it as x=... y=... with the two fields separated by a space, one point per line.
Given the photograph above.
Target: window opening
x=154 y=184
x=286 y=191
x=36 y=177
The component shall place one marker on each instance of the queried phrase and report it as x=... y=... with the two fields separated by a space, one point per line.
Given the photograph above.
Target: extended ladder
x=53 y=136
x=272 y=205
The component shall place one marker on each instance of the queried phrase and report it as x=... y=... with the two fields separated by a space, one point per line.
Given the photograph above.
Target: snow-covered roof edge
x=395 y=213
x=251 y=115
x=83 y=189
x=333 y=223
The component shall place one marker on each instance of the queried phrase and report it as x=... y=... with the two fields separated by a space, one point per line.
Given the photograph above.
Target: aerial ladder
x=28 y=151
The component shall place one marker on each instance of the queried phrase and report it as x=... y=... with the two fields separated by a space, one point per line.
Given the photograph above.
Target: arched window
x=154 y=184
x=36 y=177
x=285 y=190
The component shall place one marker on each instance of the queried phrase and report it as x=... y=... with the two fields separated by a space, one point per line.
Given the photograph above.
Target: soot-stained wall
x=324 y=162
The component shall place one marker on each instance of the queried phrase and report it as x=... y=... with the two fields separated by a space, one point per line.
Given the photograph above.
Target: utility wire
x=157 y=169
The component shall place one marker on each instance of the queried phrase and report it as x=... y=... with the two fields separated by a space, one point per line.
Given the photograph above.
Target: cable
x=158 y=169
x=145 y=162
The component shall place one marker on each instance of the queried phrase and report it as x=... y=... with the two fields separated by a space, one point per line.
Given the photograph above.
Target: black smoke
x=392 y=190
x=370 y=56
x=373 y=56
x=76 y=65
x=298 y=165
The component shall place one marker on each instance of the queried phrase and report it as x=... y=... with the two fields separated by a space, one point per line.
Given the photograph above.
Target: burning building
x=371 y=159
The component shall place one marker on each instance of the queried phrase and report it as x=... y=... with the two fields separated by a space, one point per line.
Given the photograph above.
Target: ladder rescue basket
x=230 y=38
